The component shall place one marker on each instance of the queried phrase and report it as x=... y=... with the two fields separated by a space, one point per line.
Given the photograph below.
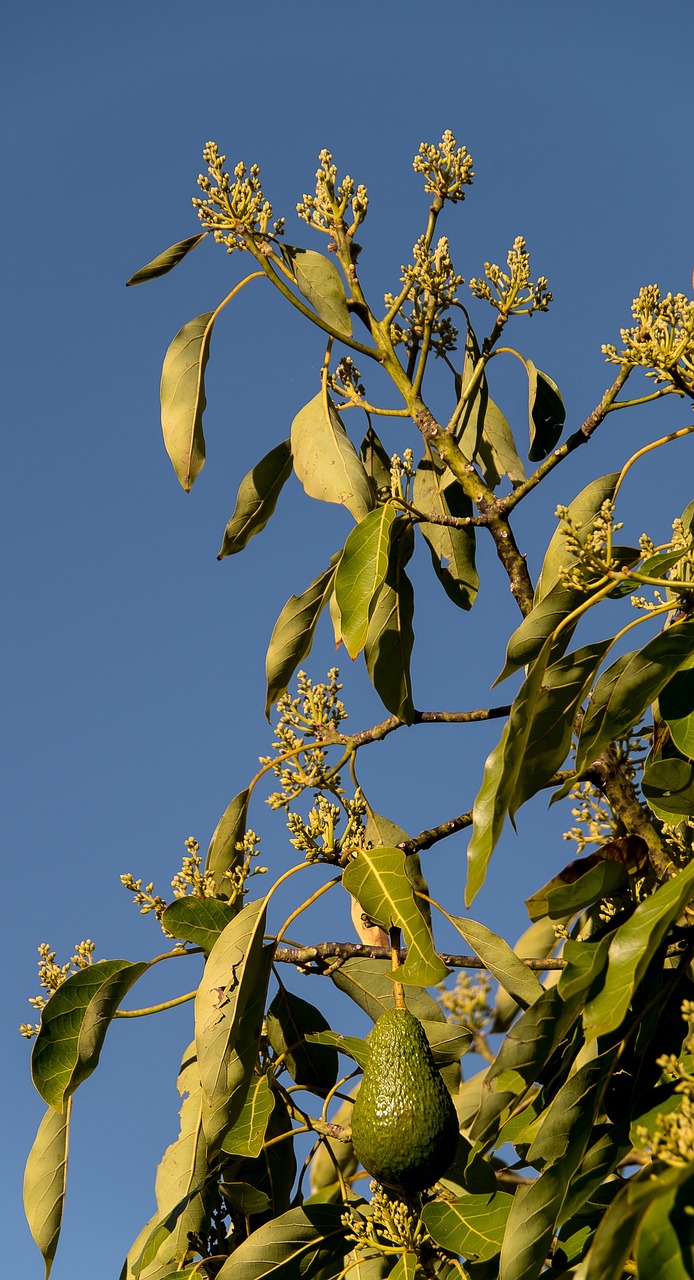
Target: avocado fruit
x=404 y=1123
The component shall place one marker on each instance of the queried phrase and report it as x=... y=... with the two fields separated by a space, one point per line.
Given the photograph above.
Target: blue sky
x=134 y=661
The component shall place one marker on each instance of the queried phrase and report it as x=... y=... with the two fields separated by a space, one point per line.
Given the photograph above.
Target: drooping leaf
x=676 y=706
x=361 y=573
x=484 y=434
x=390 y=635
x=304 y=1242
x=378 y=880
x=498 y=958
x=274 y=1170
x=293 y=633
x=44 y=1183
x=257 y=498
x=627 y=688
x=582 y=511
x=546 y=413
x=632 y=949
x=352 y=1046
x=245 y=1198
x=533 y=1217
x=228 y=1018
x=246 y=1136
x=582 y=882
x=376 y=460
x=501 y=777
x=167 y=260
x=290 y=1020
x=183 y=400
x=369 y=984
x=222 y=854
x=452 y=549
x=473 y=1225
x=74 y=1024
x=550 y=716
x=325 y=460
x=320 y=282
x=538 y=941
x=668 y=785
x=527 y=640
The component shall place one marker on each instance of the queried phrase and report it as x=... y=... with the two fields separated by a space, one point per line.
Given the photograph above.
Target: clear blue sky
x=133 y=660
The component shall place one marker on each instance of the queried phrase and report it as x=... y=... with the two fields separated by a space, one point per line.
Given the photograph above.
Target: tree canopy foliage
x=576 y=1148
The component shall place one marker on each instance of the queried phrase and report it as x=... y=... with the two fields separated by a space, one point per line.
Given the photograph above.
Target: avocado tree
x=565 y=1144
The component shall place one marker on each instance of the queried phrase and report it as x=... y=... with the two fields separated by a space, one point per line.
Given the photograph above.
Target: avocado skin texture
x=404 y=1124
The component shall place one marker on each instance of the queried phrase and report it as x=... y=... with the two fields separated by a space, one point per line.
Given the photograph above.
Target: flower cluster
x=325 y=211
x=589 y=547
x=299 y=762
x=388 y=1225
x=234 y=208
x=431 y=286
x=672 y=1140
x=512 y=292
x=52 y=976
x=446 y=167
x=661 y=341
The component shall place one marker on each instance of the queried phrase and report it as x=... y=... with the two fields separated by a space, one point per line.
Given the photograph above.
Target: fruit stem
x=398 y=989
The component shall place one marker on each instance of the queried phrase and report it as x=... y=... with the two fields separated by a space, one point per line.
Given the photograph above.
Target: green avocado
x=404 y=1124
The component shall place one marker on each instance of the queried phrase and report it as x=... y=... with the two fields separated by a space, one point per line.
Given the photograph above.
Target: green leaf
x=531 y=1222
x=484 y=434
x=44 y=1183
x=628 y=687
x=245 y=1198
x=503 y=963
x=663 y=1253
x=222 y=855
x=228 y=1018
x=376 y=460
x=676 y=705
x=452 y=550
x=538 y=940
x=632 y=948
x=74 y=1024
x=257 y=498
x=274 y=1170
x=325 y=460
x=198 y=920
x=609 y=1145
x=473 y=1225
x=405 y=1267
x=582 y=882
x=166 y=261
x=307 y=1242
x=501 y=776
x=289 y=1021
x=615 y=1234
x=319 y=280
x=546 y=413
x=184 y=1164
x=550 y=716
x=528 y=638
x=668 y=785
x=332 y=1153
x=390 y=636
x=585 y=964
x=352 y=1046
x=369 y=984
x=293 y=633
x=183 y=400
x=582 y=511
x=361 y=573
x=378 y=880
x=246 y=1136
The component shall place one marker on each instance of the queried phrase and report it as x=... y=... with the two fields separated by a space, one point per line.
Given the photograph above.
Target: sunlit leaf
x=452 y=549
x=632 y=948
x=352 y=1046
x=257 y=498
x=325 y=460
x=197 y=920
x=405 y=1267
x=229 y=1009
x=662 y=1251
x=473 y=1225
x=390 y=636
x=582 y=882
x=361 y=573
x=290 y=1020
x=668 y=785
x=537 y=941
x=74 y=1024
x=484 y=434
x=503 y=963
x=378 y=880
x=293 y=633
x=582 y=511
x=183 y=398
x=546 y=413
x=274 y=1170
x=628 y=687
x=245 y=1198
x=44 y=1182
x=528 y=638
x=167 y=260
x=320 y=281
x=676 y=706
x=245 y=1138
x=222 y=854
x=302 y=1243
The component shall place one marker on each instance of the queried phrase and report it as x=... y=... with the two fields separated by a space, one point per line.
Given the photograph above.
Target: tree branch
x=313 y=959
x=380 y=731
